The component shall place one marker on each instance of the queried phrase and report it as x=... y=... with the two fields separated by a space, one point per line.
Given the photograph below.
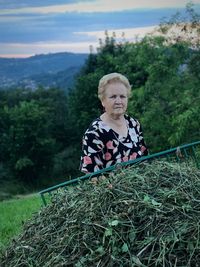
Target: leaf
x=155 y=203
x=100 y=250
x=114 y=223
x=108 y=232
x=125 y=248
x=132 y=236
x=146 y=198
x=81 y=262
x=137 y=261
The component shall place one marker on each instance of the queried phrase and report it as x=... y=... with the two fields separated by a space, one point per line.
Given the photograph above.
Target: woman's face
x=115 y=99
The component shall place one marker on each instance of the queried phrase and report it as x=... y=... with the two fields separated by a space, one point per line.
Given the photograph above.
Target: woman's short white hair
x=109 y=78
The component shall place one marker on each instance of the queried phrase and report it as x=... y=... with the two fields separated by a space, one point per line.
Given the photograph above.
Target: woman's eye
x=114 y=96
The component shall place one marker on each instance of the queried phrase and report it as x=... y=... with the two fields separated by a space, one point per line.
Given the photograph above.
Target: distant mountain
x=50 y=70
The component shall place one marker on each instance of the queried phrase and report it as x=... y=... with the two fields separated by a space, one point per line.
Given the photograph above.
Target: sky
x=30 y=27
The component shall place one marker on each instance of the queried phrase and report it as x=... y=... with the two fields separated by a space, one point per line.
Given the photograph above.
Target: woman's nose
x=118 y=99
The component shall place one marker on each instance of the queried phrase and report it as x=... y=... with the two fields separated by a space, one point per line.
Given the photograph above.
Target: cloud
x=76 y=47
x=30 y=3
x=48 y=26
x=129 y=34
x=62 y=27
x=98 y=6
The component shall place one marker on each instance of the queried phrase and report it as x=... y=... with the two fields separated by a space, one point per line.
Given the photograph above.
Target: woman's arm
x=142 y=145
x=92 y=152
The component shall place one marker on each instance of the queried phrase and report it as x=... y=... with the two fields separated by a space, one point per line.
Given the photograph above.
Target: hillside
x=46 y=70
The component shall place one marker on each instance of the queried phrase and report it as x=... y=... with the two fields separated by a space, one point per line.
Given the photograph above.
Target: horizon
x=76 y=25
x=35 y=55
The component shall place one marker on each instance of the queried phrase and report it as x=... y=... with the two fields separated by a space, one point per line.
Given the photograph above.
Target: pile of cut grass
x=141 y=216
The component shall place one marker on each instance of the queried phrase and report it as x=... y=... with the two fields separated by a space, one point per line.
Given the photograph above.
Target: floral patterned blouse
x=102 y=146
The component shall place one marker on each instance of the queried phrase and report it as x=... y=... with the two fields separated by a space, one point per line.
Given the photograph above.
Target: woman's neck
x=115 y=119
x=117 y=123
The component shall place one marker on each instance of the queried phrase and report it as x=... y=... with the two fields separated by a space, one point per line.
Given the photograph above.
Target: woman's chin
x=118 y=113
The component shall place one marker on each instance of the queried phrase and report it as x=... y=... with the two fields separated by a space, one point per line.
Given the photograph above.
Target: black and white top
x=102 y=146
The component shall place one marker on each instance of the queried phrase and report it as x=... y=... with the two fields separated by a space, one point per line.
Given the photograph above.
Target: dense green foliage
x=33 y=130
x=41 y=130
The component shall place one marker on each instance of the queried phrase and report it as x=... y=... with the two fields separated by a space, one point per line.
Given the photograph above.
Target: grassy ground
x=13 y=213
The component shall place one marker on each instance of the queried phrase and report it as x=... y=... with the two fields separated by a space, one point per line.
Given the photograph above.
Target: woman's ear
x=102 y=103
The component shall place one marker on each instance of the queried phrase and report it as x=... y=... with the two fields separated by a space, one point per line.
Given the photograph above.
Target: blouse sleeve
x=92 y=152
x=143 y=148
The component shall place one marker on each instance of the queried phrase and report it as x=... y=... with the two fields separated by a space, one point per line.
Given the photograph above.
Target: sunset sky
x=29 y=27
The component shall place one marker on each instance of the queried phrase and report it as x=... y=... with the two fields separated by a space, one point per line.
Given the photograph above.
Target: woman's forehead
x=116 y=88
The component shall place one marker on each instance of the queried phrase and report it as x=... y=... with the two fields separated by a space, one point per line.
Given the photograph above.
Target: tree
x=29 y=147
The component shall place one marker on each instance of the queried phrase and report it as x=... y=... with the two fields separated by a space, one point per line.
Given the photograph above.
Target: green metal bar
x=185 y=153
x=195 y=157
x=177 y=159
x=88 y=176
x=168 y=157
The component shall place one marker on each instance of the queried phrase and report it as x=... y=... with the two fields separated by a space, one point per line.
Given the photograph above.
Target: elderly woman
x=114 y=137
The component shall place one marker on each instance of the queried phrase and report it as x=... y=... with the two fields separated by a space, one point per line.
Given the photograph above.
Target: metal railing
x=179 y=153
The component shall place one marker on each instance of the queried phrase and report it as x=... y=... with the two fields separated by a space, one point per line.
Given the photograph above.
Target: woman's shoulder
x=133 y=122
x=97 y=125
x=93 y=125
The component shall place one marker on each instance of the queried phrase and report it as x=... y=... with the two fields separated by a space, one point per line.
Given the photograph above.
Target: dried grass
x=141 y=216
